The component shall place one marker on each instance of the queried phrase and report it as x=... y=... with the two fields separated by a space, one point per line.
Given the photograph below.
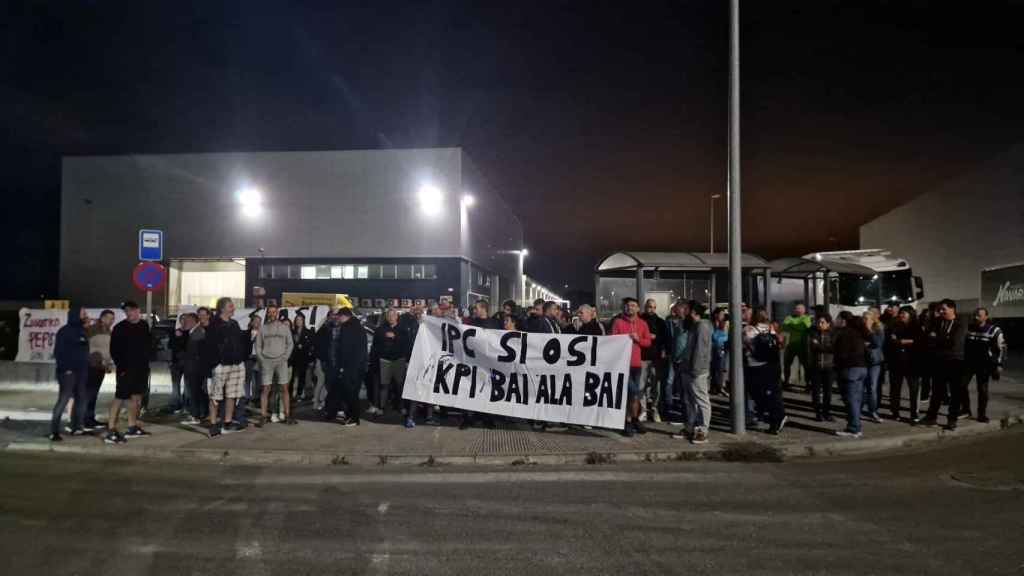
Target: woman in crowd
x=875 y=358
x=719 y=351
x=850 y=357
x=303 y=356
x=820 y=355
x=900 y=352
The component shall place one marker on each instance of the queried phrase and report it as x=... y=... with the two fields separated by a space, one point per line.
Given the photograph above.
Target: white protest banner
x=315 y=315
x=547 y=377
x=37 y=331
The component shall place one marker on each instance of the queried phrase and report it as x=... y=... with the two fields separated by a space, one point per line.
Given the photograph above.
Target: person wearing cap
x=130 y=345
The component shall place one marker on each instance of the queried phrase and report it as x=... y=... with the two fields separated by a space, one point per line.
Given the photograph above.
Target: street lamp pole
x=712 y=220
x=735 y=240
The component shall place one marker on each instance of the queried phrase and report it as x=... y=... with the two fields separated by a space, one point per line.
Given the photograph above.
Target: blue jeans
x=852 y=380
x=71 y=385
x=872 y=391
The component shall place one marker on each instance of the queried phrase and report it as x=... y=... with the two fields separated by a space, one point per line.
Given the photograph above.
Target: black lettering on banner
x=497 y=380
x=441 y=377
x=466 y=335
x=453 y=335
x=618 y=393
x=522 y=348
x=577 y=357
x=444 y=337
x=590 y=384
x=513 y=389
x=461 y=371
x=543 y=394
x=552 y=351
x=498 y=389
x=509 y=355
x=593 y=351
x=606 y=397
x=565 y=398
x=524 y=383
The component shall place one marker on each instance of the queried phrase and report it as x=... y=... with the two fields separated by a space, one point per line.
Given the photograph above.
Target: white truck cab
x=849 y=280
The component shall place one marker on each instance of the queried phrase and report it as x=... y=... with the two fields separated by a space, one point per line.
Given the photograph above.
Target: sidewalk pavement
x=385 y=441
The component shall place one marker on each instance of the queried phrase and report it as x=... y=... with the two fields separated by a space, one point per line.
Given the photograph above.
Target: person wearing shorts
x=130 y=345
x=273 y=348
x=225 y=349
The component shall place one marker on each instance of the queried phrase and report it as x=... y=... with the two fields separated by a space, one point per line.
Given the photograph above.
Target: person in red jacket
x=631 y=324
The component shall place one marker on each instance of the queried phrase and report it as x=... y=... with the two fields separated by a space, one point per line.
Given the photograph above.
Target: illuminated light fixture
x=252 y=202
x=431 y=199
x=468 y=200
x=860 y=299
x=525 y=252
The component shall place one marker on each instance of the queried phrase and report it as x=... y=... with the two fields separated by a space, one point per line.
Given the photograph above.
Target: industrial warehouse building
x=951 y=234
x=385 y=227
x=966 y=240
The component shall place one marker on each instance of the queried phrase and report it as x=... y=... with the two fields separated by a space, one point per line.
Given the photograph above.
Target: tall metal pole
x=712 y=221
x=735 y=245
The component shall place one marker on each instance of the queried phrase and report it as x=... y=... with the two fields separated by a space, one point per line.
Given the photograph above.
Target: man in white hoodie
x=273 y=349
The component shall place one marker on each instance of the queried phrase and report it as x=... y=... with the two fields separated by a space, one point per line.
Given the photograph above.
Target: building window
x=404 y=272
x=362 y=272
x=335 y=272
x=430 y=272
x=308 y=273
x=323 y=272
x=348 y=272
x=388 y=271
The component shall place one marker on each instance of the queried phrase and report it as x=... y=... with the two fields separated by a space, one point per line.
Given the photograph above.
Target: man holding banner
x=575 y=379
x=629 y=323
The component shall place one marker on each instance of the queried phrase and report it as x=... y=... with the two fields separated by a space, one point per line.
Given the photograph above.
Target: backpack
x=765 y=347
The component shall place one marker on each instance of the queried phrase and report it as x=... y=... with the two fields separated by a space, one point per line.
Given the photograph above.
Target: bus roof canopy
x=806 y=267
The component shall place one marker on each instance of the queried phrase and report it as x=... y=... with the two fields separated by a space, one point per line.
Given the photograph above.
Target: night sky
x=603 y=123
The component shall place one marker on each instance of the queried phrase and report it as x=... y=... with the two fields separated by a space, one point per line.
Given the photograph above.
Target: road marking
x=749 y=477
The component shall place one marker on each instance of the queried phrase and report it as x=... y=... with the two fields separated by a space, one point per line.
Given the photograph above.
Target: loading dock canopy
x=808 y=268
x=675 y=261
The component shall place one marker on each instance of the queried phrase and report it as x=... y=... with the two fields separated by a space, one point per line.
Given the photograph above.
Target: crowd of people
x=220 y=372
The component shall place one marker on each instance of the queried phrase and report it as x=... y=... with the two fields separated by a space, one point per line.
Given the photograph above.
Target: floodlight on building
x=468 y=200
x=251 y=200
x=431 y=199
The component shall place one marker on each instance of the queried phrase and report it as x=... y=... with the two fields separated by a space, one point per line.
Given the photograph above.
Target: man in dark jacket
x=850 y=357
x=589 y=324
x=949 y=334
x=130 y=346
x=345 y=367
x=177 y=343
x=225 y=350
x=71 y=352
x=653 y=361
x=481 y=319
x=194 y=371
x=984 y=355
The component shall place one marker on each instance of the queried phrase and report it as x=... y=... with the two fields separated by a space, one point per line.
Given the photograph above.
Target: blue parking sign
x=151 y=245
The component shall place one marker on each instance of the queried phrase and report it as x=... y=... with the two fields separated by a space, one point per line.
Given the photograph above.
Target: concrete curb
x=749 y=451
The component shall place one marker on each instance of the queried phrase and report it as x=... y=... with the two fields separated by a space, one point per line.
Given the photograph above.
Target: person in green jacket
x=795 y=328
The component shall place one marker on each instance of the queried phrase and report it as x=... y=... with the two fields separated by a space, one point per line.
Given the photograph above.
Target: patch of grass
x=750 y=452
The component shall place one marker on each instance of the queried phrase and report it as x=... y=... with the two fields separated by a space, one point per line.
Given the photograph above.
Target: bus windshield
x=857 y=290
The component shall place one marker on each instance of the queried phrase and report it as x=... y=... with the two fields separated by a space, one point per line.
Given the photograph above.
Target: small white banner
x=567 y=378
x=37 y=331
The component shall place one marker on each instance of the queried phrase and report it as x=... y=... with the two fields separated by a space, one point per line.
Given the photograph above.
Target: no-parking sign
x=149 y=276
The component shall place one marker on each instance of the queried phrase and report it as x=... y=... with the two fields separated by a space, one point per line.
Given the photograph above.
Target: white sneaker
x=643 y=416
x=274 y=418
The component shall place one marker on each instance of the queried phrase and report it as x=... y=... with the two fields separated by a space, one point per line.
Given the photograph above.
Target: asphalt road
x=957 y=508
